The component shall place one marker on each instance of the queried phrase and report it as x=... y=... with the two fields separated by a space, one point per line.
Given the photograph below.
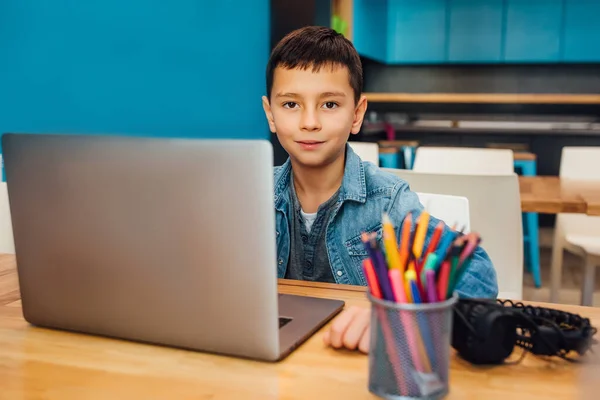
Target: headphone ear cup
x=495 y=338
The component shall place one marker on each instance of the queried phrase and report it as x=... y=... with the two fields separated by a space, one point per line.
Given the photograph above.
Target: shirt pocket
x=357 y=251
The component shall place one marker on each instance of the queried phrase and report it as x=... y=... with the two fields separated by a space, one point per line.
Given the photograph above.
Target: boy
x=325 y=196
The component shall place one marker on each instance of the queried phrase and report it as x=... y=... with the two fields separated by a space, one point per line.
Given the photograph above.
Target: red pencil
x=371 y=278
x=443 y=281
x=435 y=239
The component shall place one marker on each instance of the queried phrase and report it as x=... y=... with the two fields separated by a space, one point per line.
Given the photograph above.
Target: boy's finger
x=356 y=329
x=327 y=338
x=363 y=345
x=339 y=326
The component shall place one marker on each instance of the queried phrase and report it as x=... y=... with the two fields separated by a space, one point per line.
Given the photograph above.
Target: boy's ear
x=359 y=115
x=268 y=113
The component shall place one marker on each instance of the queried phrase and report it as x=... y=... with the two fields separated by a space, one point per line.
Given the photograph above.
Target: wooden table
x=552 y=195
x=39 y=363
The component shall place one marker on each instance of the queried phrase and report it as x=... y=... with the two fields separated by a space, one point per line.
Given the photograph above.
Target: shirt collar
x=354 y=187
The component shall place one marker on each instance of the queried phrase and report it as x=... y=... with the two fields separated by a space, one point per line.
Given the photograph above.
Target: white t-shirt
x=309 y=219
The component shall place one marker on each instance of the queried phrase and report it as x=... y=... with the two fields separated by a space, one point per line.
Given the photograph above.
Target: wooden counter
x=38 y=363
x=478 y=98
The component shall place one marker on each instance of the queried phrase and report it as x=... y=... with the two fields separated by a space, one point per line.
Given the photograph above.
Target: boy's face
x=313 y=113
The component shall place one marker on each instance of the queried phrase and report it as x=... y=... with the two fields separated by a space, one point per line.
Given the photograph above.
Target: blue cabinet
x=581 y=42
x=370 y=33
x=533 y=30
x=475 y=31
x=416 y=31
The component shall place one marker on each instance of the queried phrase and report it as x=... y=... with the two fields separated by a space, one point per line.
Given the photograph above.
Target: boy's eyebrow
x=325 y=94
x=286 y=95
x=333 y=94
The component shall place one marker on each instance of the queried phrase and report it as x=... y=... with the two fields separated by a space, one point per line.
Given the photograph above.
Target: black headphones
x=486 y=331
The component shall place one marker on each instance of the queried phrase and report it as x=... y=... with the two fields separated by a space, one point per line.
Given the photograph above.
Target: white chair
x=7 y=244
x=495 y=213
x=453 y=210
x=466 y=161
x=577 y=233
x=366 y=151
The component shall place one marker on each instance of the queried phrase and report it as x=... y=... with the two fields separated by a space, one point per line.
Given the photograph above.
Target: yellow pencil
x=420 y=233
x=409 y=297
x=390 y=243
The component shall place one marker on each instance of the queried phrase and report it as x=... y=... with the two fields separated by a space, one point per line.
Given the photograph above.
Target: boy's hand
x=350 y=330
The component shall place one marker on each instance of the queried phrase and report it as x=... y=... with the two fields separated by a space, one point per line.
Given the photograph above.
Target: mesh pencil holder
x=410 y=349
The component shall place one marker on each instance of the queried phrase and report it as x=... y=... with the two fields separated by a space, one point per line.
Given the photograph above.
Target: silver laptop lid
x=162 y=240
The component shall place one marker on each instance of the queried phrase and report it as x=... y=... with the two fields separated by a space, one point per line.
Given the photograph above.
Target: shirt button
x=277 y=233
x=280 y=261
x=340 y=273
x=304 y=238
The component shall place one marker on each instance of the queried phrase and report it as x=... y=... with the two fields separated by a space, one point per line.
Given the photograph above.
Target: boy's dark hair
x=316 y=47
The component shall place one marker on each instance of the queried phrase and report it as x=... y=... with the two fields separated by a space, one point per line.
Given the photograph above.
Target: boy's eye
x=290 y=104
x=330 y=105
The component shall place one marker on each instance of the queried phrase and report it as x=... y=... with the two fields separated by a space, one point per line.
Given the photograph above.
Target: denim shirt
x=366 y=193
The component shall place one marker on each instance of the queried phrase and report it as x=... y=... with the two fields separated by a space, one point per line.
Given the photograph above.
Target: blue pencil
x=443 y=248
x=423 y=324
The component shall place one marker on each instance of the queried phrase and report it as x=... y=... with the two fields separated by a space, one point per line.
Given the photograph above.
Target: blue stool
x=405 y=152
x=389 y=158
x=528 y=166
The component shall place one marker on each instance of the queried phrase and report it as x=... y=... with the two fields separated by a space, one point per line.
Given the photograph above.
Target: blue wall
x=186 y=68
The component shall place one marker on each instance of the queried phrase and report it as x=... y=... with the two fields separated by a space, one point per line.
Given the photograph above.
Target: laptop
x=156 y=240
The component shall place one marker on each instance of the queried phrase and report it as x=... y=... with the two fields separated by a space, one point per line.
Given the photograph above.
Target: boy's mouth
x=309 y=144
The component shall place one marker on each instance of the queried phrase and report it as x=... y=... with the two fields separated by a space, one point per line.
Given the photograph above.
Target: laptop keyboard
x=283 y=321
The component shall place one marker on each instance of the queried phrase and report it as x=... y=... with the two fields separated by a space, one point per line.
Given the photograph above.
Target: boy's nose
x=310 y=122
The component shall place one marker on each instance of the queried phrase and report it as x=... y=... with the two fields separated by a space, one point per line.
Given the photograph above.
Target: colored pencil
x=420 y=234
x=390 y=243
x=435 y=239
x=390 y=342
x=371 y=278
x=445 y=244
x=471 y=244
x=429 y=265
x=424 y=343
x=431 y=290
x=443 y=280
x=405 y=244
x=379 y=266
x=412 y=332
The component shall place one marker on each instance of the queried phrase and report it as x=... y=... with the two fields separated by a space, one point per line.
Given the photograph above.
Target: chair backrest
x=495 y=213
x=579 y=163
x=366 y=151
x=453 y=210
x=463 y=160
x=7 y=244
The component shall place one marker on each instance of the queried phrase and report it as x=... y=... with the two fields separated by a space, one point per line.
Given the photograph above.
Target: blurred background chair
x=485 y=161
x=495 y=213
x=577 y=233
x=453 y=210
x=366 y=151
x=7 y=244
